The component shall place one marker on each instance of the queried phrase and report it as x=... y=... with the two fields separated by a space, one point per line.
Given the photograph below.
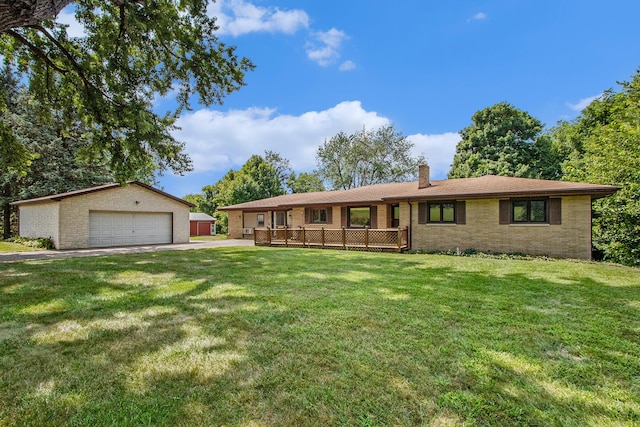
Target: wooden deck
x=367 y=239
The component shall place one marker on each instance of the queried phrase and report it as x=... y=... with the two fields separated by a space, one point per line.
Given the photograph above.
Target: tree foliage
x=52 y=152
x=504 y=140
x=305 y=183
x=367 y=157
x=133 y=53
x=257 y=179
x=603 y=146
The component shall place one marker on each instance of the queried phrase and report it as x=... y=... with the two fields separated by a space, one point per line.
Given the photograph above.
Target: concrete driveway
x=199 y=244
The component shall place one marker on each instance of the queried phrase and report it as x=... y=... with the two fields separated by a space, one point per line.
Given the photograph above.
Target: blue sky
x=424 y=66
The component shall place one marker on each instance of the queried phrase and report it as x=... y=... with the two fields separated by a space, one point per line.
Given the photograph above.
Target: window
x=260 y=220
x=449 y=212
x=280 y=218
x=529 y=211
x=359 y=217
x=394 y=216
x=319 y=216
x=442 y=212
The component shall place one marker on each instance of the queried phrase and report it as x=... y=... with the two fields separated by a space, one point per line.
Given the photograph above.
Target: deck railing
x=369 y=239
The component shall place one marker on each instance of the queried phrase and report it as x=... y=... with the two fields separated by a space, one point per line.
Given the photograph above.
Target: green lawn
x=215 y=237
x=15 y=247
x=264 y=336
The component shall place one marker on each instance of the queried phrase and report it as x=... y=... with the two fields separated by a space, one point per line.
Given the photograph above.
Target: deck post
x=344 y=238
x=269 y=235
x=304 y=238
x=322 y=236
x=255 y=237
x=366 y=238
x=399 y=238
x=286 y=235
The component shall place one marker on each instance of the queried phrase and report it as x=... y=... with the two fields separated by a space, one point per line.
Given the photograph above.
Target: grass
x=294 y=337
x=214 y=237
x=16 y=247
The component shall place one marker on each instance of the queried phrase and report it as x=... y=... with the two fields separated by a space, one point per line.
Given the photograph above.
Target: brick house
x=489 y=213
x=106 y=215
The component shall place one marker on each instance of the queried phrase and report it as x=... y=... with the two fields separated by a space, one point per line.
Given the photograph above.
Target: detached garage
x=202 y=224
x=107 y=215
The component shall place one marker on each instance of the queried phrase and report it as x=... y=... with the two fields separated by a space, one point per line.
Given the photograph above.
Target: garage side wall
x=74 y=212
x=40 y=220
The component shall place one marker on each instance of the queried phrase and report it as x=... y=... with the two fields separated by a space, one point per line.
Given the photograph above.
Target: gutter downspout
x=410 y=232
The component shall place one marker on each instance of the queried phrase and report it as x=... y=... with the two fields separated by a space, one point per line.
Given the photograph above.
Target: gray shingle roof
x=200 y=216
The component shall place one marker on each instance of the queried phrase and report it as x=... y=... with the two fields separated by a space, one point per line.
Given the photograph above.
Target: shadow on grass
x=308 y=337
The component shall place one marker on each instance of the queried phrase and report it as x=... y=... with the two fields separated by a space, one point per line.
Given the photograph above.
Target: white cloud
x=326 y=48
x=480 y=16
x=218 y=141
x=347 y=66
x=438 y=149
x=237 y=17
x=583 y=103
x=67 y=17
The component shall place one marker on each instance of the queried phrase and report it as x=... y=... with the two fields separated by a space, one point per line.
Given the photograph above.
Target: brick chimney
x=423 y=176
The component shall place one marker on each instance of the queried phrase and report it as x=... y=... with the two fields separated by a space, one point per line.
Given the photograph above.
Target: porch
x=367 y=239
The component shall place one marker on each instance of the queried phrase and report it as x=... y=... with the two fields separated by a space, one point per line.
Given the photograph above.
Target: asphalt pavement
x=54 y=254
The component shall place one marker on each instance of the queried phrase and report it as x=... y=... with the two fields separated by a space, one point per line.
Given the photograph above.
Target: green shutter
x=330 y=215
x=343 y=216
x=307 y=215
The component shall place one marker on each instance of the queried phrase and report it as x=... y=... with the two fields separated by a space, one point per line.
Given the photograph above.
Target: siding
x=40 y=220
x=570 y=239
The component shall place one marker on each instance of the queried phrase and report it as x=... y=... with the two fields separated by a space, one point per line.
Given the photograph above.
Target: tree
x=134 y=52
x=53 y=151
x=367 y=157
x=504 y=140
x=281 y=166
x=603 y=146
x=197 y=200
x=257 y=179
x=304 y=183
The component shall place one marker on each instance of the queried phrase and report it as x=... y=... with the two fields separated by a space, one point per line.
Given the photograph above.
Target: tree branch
x=36 y=51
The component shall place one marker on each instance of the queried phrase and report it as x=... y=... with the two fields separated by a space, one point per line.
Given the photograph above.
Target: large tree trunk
x=21 y=13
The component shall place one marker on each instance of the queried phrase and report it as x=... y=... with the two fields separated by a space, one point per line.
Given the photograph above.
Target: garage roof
x=61 y=196
x=200 y=216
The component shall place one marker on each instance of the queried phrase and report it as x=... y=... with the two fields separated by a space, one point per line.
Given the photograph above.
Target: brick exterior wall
x=73 y=213
x=234 y=224
x=40 y=220
x=482 y=231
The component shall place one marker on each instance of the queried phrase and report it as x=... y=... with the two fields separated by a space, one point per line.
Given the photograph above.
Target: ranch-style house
x=488 y=213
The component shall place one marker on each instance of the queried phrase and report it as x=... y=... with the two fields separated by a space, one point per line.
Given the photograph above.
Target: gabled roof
x=488 y=186
x=200 y=216
x=62 y=196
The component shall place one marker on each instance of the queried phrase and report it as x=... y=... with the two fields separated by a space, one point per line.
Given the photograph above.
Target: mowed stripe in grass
x=263 y=336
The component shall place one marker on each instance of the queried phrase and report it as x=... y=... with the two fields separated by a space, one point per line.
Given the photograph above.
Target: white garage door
x=126 y=228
